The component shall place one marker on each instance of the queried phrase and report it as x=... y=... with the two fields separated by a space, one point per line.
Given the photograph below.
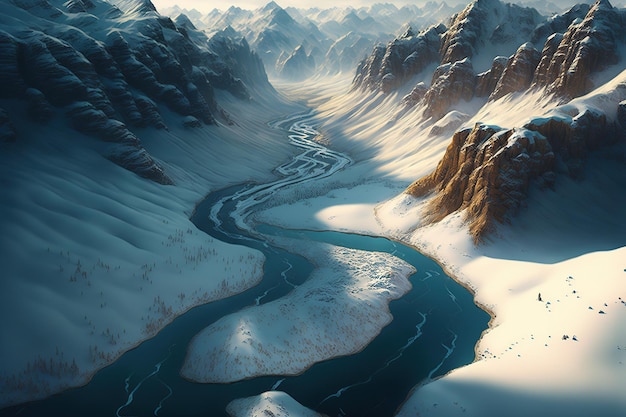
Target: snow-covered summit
x=275 y=32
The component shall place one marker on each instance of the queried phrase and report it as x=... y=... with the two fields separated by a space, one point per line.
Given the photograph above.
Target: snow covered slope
x=96 y=258
x=108 y=67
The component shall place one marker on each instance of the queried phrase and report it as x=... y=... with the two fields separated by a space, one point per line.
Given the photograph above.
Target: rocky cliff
x=486 y=22
x=564 y=67
x=482 y=25
x=391 y=66
x=108 y=66
x=487 y=170
x=568 y=61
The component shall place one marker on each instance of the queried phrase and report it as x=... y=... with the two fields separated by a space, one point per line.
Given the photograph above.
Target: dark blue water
x=434 y=330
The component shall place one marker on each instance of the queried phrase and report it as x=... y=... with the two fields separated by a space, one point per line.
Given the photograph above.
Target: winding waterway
x=434 y=330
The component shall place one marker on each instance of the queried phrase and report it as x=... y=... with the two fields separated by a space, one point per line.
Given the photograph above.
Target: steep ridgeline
x=295 y=43
x=568 y=60
x=514 y=47
x=487 y=170
x=482 y=27
x=108 y=66
x=390 y=67
x=288 y=48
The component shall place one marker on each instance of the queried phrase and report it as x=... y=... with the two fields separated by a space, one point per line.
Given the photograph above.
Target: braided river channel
x=434 y=329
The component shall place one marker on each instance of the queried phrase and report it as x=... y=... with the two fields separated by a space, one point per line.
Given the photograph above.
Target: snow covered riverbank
x=340 y=308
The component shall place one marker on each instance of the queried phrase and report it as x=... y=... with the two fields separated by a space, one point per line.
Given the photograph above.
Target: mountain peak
x=135 y=6
x=408 y=33
x=272 y=5
x=602 y=3
x=599 y=7
x=281 y=17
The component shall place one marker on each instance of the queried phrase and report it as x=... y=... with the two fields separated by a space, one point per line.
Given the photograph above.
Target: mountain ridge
x=111 y=73
x=487 y=170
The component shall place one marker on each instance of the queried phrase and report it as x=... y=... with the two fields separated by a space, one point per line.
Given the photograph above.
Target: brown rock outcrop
x=487 y=81
x=518 y=73
x=486 y=171
x=451 y=83
x=587 y=47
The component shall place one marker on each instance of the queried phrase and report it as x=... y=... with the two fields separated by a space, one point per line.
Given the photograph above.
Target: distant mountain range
x=296 y=43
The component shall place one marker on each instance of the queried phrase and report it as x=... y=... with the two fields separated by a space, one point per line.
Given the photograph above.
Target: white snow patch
x=340 y=308
x=271 y=403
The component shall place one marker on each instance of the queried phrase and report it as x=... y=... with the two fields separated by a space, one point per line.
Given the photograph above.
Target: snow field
x=340 y=308
x=272 y=403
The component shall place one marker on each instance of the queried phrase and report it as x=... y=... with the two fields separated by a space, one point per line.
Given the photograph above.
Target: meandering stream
x=434 y=330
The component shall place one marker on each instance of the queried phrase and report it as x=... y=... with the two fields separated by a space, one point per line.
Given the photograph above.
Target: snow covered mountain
x=115 y=121
x=271 y=31
x=334 y=39
x=108 y=66
x=487 y=170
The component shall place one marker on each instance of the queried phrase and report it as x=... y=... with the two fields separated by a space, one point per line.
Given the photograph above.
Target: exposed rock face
x=485 y=21
x=518 y=73
x=38 y=108
x=487 y=81
x=391 y=66
x=573 y=137
x=451 y=83
x=563 y=67
x=542 y=75
x=558 y=23
x=238 y=62
x=42 y=71
x=416 y=95
x=109 y=71
x=11 y=80
x=296 y=66
x=137 y=160
x=192 y=122
x=488 y=170
x=585 y=48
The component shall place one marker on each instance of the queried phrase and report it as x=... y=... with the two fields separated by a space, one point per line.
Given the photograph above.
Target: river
x=434 y=330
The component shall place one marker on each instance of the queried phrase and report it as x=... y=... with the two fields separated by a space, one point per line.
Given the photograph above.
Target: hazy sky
x=208 y=5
